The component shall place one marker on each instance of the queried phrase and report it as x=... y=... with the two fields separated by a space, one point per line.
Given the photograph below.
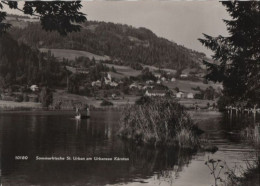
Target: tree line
x=22 y=65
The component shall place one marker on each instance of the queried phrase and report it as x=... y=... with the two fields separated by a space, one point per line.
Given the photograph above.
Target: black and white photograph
x=130 y=93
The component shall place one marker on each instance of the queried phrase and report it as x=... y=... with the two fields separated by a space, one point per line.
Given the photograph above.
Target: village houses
x=173 y=80
x=96 y=83
x=190 y=95
x=184 y=75
x=179 y=95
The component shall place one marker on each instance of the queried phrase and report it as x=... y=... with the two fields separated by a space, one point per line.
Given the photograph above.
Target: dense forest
x=123 y=43
x=27 y=66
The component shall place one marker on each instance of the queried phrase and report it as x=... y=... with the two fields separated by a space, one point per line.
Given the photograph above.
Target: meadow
x=72 y=54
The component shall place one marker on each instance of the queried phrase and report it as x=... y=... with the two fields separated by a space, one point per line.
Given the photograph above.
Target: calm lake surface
x=47 y=134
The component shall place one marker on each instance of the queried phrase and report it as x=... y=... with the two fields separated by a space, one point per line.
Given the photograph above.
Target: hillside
x=73 y=54
x=85 y=72
x=122 y=43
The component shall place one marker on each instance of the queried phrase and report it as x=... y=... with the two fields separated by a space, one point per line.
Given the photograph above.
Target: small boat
x=83 y=114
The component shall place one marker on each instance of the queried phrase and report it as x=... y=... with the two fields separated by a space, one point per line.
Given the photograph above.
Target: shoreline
x=11 y=105
x=93 y=105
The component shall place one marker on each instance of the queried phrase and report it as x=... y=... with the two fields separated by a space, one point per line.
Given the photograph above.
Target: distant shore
x=67 y=101
x=12 y=105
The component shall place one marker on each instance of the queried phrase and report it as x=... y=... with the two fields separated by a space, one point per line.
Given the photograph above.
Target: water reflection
x=59 y=134
x=244 y=126
x=45 y=134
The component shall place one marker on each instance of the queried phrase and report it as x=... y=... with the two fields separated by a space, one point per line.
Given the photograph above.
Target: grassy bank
x=11 y=105
x=160 y=121
x=62 y=100
x=68 y=101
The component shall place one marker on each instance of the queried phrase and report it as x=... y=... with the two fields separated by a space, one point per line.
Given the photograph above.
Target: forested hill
x=122 y=43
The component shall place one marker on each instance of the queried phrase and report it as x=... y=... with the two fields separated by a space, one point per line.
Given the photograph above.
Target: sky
x=180 y=21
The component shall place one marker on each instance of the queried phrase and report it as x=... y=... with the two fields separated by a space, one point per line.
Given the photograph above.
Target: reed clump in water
x=161 y=121
x=252 y=133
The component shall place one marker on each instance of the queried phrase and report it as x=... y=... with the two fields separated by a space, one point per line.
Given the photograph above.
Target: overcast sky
x=180 y=21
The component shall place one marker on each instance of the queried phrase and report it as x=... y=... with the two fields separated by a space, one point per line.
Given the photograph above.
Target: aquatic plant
x=215 y=170
x=161 y=121
x=221 y=173
x=251 y=133
x=235 y=176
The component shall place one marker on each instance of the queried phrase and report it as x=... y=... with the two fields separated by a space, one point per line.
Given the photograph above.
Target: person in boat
x=88 y=114
x=77 y=111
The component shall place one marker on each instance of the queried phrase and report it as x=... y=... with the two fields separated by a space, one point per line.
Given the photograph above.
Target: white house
x=155 y=93
x=96 y=83
x=163 y=79
x=134 y=85
x=190 y=95
x=179 y=95
x=158 y=82
x=113 y=95
x=173 y=79
x=184 y=75
x=34 y=88
x=147 y=87
x=157 y=75
x=113 y=84
x=149 y=82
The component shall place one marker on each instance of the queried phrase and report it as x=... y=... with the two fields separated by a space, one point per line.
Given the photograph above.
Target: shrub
x=223 y=101
x=136 y=66
x=36 y=100
x=46 y=97
x=205 y=81
x=198 y=96
x=160 y=121
x=25 y=98
x=113 y=69
x=106 y=103
x=18 y=98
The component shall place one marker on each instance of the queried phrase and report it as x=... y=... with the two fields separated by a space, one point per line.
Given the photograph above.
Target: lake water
x=57 y=134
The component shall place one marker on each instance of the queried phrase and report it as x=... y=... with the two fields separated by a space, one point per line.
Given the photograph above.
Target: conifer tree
x=237 y=55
